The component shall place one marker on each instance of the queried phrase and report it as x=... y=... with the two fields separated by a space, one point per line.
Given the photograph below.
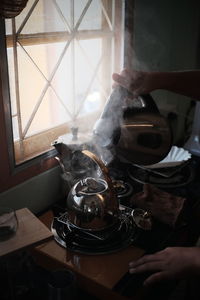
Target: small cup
x=8 y=223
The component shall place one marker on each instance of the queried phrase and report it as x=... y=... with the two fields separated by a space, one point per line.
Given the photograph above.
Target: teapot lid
x=75 y=137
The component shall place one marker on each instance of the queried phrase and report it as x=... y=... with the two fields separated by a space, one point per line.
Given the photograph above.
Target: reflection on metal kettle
x=92 y=203
x=134 y=128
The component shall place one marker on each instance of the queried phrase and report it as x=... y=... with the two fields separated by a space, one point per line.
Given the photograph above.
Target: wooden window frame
x=10 y=174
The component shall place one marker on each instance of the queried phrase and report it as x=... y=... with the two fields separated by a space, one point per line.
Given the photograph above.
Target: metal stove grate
x=95 y=242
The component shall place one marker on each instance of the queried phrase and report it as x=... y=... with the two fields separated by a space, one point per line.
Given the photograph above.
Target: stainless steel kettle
x=133 y=128
x=91 y=203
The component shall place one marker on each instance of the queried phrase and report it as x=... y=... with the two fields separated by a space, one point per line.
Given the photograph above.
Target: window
x=62 y=54
x=57 y=76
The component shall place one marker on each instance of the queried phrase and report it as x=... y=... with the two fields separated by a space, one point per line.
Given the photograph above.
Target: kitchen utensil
x=92 y=203
x=176 y=156
x=134 y=128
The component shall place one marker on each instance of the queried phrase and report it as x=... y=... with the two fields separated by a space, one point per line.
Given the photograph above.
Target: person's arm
x=182 y=82
x=168 y=264
x=186 y=83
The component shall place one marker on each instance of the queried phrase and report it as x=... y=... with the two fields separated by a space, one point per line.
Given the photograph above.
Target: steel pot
x=134 y=128
x=92 y=203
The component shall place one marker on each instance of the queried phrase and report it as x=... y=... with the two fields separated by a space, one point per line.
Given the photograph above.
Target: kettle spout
x=62 y=148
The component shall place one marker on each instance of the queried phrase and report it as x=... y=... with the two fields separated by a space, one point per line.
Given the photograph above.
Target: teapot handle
x=105 y=172
x=116 y=98
x=149 y=104
x=114 y=112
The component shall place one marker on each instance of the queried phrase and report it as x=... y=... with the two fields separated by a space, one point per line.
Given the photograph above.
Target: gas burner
x=122 y=189
x=174 y=178
x=116 y=173
x=83 y=241
x=117 y=169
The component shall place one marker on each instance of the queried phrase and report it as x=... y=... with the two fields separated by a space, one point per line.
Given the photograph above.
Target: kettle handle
x=115 y=103
x=105 y=171
x=149 y=104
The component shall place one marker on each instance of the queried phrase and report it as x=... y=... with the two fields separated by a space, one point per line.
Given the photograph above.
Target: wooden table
x=97 y=274
x=30 y=232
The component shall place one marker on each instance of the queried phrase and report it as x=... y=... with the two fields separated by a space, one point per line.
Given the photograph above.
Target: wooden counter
x=97 y=274
x=30 y=232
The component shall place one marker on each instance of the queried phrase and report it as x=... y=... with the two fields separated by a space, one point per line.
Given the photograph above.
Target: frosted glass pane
x=63 y=81
x=65 y=7
x=8 y=26
x=45 y=56
x=92 y=18
x=50 y=114
x=21 y=17
x=31 y=84
x=12 y=80
x=15 y=129
x=44 y=18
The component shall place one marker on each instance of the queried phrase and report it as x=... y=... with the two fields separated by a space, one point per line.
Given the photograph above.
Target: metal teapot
x=133 y=128
x=91 y=203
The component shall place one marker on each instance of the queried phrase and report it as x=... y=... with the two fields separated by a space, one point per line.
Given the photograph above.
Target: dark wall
x=166 y=37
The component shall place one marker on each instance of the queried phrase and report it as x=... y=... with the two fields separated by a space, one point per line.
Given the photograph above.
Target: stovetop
x=118 y=236
x=161 y=235
x=127 y=185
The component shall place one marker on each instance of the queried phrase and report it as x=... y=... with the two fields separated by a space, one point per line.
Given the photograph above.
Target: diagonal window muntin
x=71 y=34
x=48 y=80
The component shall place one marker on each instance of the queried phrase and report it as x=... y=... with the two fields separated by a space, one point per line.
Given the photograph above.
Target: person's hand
x=137 y=82
x=168 y=264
